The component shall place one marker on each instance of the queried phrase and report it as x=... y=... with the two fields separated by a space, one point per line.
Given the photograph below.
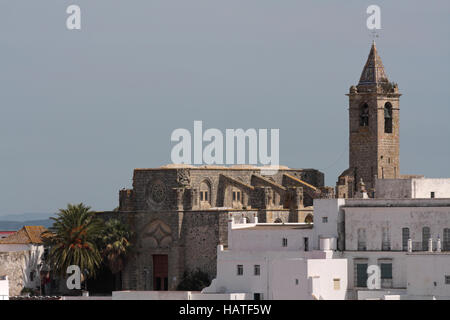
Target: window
x=204 y=196
x=205 y=192
x=257 y=269
x=236 y=196
x=425 y=237
x=361 y=275
x=240 y=269
x=324 y=219
x=32 y=276
x=285 y=242
x=405 y=238
x=386 y=270
x=446 y=246
x=296 y=282
x=388 y=118
x=306 y=243
x=337 y=284
x=447 y=279
x=257 y=296
x=432 y=195
x=364 y=115
x=362 y=239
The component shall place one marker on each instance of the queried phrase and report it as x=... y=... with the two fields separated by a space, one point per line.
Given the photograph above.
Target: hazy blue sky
x=79 y=110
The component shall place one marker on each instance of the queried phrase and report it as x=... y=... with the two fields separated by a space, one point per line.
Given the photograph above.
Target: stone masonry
x=182 y=212
x=373 y=130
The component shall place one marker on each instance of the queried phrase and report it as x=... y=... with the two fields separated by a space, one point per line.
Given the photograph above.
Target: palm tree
x=115 y=244
x=72 y=240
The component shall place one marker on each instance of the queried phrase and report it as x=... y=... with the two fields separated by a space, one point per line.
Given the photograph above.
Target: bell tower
x=373 y=129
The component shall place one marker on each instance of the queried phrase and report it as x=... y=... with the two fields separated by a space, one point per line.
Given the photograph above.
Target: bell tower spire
x=373 y=129
x=373 y=72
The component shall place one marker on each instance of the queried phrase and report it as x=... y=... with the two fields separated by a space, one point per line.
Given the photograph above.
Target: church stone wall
x=165 y=212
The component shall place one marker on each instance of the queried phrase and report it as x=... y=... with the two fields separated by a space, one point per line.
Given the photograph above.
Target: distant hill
x=13 y=222
x=25 y=216
x=16 y=225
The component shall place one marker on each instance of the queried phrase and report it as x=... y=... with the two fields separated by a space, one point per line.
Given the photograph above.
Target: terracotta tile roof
x=26 y=235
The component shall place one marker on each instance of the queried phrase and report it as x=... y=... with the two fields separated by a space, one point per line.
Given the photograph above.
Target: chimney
x=230 y=229
x=409 y=245
x=430 y=245
x=438 y=245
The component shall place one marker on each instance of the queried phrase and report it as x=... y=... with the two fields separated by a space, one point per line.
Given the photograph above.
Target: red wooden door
x=160 y=272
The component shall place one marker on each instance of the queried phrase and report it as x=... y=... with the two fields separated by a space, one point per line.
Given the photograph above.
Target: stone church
x=180 y=213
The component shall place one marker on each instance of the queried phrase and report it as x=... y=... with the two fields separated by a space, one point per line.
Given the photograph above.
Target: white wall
x=254 y=239
x=329 y=208
x=4 y=288
x=152 y=295
x=326 y=270
x=426 y=275
x=283 y=275
x=422 y=188
x=14 y=247
x=393 y=217
x=398 y=260
x=169 y=295
x=221 y=296
x=279 y=266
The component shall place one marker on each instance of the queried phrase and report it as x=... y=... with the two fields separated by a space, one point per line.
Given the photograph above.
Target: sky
x=80 y=109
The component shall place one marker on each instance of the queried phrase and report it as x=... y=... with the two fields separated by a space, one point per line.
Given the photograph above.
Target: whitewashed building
x=412 y=188
x=21 y=259
x=408 y=239
x=277 y=261
x=4 y=288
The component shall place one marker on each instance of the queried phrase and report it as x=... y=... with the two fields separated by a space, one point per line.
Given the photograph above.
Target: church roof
x=373 y=72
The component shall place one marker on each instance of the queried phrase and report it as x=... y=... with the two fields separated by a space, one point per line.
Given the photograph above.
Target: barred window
x=425 y=237
x=257 y=269
x=240 y=269
x=361 y=275
x=405 y=238
x=446 y=246
x=386 y=240
x=362 y=239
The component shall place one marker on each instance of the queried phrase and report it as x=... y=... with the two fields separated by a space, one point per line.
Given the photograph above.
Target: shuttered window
x=361 y=275
x=405 y=238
